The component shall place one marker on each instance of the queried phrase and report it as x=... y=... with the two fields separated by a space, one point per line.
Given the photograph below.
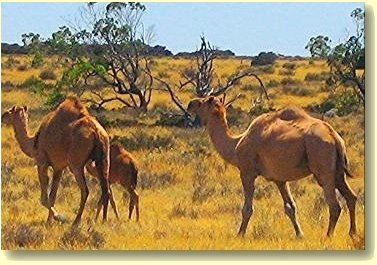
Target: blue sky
x=245 y=28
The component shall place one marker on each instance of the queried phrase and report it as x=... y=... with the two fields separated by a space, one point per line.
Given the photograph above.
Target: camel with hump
x=282 y=146
x=67 y=137
x=123 y=170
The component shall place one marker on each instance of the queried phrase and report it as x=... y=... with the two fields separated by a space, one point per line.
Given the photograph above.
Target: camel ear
x=193 y=106
x=211 y=99
x=13 y=108
x=25 y=108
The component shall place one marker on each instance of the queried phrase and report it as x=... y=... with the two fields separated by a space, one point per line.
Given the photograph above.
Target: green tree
x=344 y=59
x=108 y=45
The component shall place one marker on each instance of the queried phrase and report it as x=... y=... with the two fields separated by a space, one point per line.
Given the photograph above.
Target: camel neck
x=25 y=141
x=224 y=141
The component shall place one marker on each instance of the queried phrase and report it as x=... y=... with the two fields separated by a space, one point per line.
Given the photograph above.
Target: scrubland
x=189 y=197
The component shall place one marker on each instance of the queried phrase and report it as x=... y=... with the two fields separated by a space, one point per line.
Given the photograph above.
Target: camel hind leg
x=133 y=204
x=112 y=203
x=350 y=197
x=322 y=159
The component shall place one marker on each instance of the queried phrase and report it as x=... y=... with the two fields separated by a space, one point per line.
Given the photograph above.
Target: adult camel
x=282 y=146
x=67 y=137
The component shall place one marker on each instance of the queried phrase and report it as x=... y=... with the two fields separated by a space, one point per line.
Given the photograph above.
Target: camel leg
x=134 y=203
x=113 y=203
x=80 y=178
x=247 y=210
x=290 y=206
x=350 y=198
x=334 y=207
x=43 y=181
x=53 y=214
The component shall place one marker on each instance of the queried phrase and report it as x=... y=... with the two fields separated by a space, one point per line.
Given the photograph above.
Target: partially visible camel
x=123 y=170
x=282 y=146
x=68 y=136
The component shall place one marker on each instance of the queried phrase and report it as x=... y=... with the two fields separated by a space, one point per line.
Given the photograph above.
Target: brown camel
x=68 y=136
x=123 y=170
x=282 y=146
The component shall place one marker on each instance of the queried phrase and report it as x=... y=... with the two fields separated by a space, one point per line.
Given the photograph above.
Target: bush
x=323 y=76
x=143 y=140
x=345 y=102
x=33 y=83
x=150 y=180
x=272 y=83
x=286 y=72
x=20 y=235
x=289 y=81
x=47 y=75
x=264 y=58
x=74 y=238
x=290 y=66
x=22 y=67
x=297 y=91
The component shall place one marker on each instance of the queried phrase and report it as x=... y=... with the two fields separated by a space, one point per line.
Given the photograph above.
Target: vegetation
x=189 y=198
x=346 y=58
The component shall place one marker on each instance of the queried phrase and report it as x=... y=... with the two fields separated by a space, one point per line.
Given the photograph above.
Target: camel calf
x=123 y=170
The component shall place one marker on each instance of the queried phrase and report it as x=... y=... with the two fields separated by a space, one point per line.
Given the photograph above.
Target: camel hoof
x=61 y=218
x=241 y=234
x=300 y=236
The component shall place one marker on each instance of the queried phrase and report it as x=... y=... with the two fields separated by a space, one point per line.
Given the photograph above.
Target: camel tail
x=101 y=156
x=342 y=160
x=134 y=173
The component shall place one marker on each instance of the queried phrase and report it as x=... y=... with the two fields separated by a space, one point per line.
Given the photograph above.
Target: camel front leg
x=112 y=203
x=248 y=180
x=43 y=182
x=290 y=206
x=53 y=214
x=80 y=178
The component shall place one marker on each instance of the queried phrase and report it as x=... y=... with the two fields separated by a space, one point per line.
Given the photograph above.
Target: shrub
x=290 y=66
x=22 y=67
x=286 y=72
x=20 y=235
x=272 y=83
x=345 y=102
x=323 y=76
x=47 y=75
x=33 y=83
x=74 y=238
x=150 y=180
x=264 y=58
x=297 y=91
x=143 y=140
x=289 y=81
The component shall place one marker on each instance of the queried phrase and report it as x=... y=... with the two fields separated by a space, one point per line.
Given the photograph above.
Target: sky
x=244 y=28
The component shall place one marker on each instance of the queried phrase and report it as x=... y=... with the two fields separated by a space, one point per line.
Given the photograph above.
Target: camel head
x=15 y=115
x=206 y=108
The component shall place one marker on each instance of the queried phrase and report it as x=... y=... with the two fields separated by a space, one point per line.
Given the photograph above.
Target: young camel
x=68 y=136
x=282 y=146
x=123 y=170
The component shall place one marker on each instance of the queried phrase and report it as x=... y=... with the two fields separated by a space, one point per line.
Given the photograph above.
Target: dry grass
x=190 y=199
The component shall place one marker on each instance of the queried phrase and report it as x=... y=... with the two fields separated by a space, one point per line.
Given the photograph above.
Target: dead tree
x=202 y=80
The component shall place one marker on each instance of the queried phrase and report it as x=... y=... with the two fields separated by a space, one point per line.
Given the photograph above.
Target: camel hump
x=292 y=113
x=72 y=106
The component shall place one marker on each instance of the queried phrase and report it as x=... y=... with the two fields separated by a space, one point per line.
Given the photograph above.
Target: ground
x=190 y=198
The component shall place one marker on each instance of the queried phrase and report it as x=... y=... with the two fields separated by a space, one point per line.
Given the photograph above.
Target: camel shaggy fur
x=282 y=146
x=67 y=137
x=123 y=170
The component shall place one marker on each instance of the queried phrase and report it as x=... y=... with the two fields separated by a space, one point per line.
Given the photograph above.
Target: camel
x=123 y=170
x=67 y=137
x=282 y=146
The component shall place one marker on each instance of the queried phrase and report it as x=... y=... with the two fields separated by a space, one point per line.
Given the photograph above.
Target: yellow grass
x=190 y=199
